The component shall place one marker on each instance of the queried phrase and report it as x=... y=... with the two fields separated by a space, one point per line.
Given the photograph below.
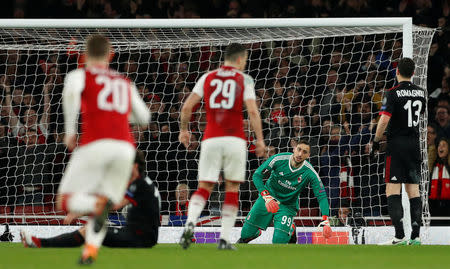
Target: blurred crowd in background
x=328 y=91
x=424 y=12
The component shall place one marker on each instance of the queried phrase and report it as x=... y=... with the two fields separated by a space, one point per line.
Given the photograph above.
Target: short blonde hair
x=182 y=185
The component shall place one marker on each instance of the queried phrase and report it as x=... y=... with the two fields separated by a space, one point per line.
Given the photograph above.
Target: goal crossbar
x=404 y=22
x=203 y=23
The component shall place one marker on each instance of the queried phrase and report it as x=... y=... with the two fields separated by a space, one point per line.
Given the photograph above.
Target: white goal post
x=282 y=54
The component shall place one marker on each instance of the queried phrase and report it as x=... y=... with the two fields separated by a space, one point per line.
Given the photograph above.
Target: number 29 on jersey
x=227 y=89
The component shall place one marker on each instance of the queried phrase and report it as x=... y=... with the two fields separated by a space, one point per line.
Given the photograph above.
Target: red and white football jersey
x=224 y=91
x=105 y=99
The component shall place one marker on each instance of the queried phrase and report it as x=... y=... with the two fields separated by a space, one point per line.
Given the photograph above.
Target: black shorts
x=127 y=238
x=403 y=161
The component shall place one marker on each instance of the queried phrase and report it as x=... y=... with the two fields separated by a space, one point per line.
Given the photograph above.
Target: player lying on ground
x=289 y=174
x=141 y=230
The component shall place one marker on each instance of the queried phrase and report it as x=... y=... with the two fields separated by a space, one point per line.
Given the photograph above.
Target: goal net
x=323 y=84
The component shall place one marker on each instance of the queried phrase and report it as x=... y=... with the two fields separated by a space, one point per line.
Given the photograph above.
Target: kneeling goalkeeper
x=141 y=230
x=289 y=173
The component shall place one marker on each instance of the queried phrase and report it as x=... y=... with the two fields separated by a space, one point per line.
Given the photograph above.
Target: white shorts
x=102 y=167
x=228 y=153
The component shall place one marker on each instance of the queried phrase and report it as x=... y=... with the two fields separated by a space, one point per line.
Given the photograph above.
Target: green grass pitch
x=200 y=256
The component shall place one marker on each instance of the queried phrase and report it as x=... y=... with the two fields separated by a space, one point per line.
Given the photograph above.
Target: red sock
x=231 y=199
x=64 y=200
x=36 y=241
x=196 y=205
x=204 y=193
x=229 y=213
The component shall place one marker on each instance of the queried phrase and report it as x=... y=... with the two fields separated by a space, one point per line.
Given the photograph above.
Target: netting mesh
x=321 y=84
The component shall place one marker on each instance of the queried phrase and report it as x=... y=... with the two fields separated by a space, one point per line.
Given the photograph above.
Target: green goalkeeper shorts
x=259 y=217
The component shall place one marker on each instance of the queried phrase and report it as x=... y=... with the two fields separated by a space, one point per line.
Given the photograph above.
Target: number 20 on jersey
x=117 y=88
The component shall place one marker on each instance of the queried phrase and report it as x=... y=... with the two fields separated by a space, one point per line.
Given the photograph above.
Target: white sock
x=93 y=238
x=196 y=205
x=229 y=213
x=81 y=203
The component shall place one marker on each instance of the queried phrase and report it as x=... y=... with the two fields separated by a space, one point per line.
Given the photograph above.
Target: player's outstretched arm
x=186 y=111
x=139 y=111
x=13 y=118
x=255 y=121
x=121 y=204
x=45 y=119
x=263 y=171
x=326 y=229
x=321 y=195
x=73 y=216
x=272 y=205
x=186 y=114
x=386 y=112
x=253 y=113
x=73 y=87
x=381 y=127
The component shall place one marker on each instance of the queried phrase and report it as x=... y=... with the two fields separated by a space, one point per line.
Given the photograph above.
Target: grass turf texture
x=248 y=256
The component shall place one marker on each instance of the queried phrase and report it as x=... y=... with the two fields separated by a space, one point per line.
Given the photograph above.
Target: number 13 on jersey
x=417 y=107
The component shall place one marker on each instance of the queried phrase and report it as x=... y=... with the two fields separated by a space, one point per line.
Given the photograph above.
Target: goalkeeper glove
x=326 y=229
x=272 y=205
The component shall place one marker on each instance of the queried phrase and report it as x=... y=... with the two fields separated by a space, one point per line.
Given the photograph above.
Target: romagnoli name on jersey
x=405 y=104
x=410 y=93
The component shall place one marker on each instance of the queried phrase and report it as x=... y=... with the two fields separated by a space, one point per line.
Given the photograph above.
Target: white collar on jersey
x=295 y=170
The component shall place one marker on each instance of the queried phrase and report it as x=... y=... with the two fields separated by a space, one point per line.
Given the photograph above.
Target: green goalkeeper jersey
x=286 y=183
